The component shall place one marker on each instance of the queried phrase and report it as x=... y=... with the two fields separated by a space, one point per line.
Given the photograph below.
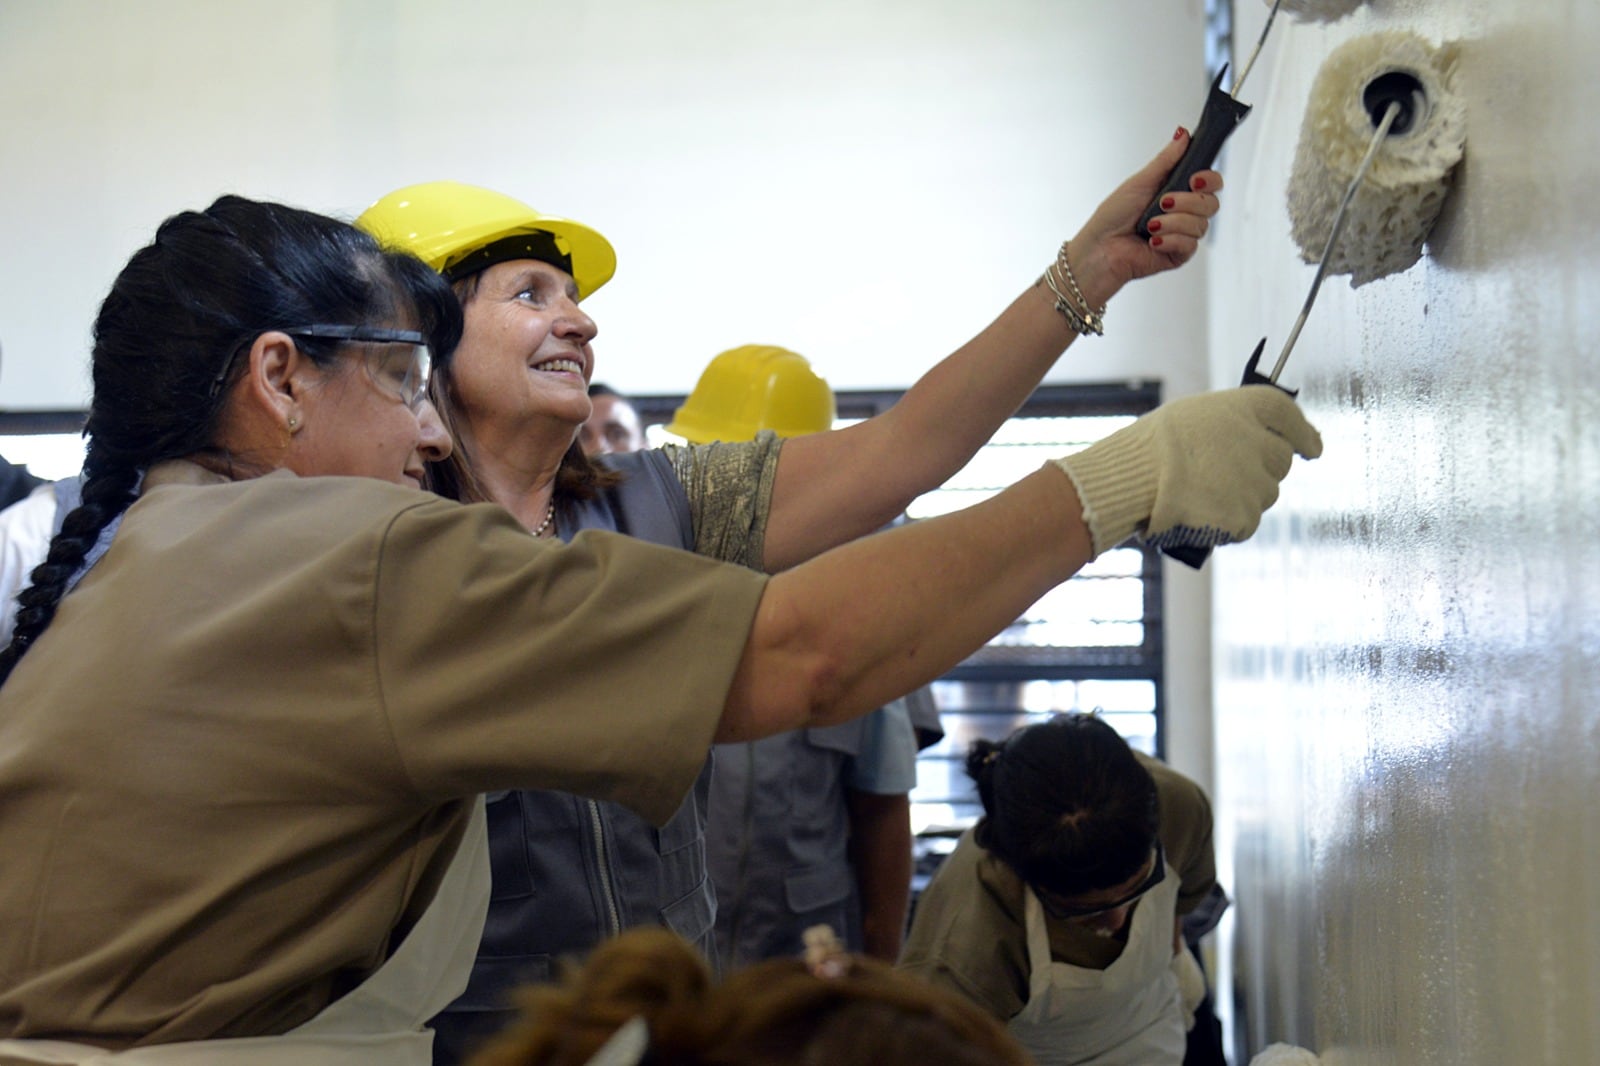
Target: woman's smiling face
x=525 y=351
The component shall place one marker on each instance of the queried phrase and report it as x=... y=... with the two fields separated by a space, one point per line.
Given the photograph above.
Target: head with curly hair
x=774 y=1013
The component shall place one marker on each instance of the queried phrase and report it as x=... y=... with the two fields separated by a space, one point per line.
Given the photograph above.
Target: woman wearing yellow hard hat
x=570 y=872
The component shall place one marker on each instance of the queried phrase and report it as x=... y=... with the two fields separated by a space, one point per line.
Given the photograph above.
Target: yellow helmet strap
x=540 y=246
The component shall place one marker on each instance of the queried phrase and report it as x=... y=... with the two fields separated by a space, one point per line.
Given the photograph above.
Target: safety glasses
x=398 y=360
x=1062 y=909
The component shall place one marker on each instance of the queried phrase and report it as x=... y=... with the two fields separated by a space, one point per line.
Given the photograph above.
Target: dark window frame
x=1147 y=661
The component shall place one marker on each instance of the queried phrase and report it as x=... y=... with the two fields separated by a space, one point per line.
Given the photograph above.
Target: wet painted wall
x=1405 y=657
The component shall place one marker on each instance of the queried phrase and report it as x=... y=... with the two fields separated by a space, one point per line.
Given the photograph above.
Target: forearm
x=867 y=622
x=833 y=487
x=880 y=854
x=956 y=407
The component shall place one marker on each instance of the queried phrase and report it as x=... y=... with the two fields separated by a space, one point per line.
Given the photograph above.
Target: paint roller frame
x=1393 y=100
x=1223 y=111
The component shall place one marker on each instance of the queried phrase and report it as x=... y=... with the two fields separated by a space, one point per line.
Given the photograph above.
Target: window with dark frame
x=1094 y=644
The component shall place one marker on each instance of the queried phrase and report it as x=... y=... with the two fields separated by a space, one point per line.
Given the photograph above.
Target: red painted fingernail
x=1199 y=183
x=1155 y=242
x=1155 y=224
x=1180 y=134
x=1168 y=203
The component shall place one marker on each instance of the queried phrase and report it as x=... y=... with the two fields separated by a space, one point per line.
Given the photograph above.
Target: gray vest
x=778 y=842
x=568 y=872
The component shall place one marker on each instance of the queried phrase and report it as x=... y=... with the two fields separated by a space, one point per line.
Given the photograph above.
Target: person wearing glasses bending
x=1059 y=911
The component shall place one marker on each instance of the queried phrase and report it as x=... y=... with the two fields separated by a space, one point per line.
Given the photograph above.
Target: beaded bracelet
x=1081 y=318
x=1066 y=268
x=1075 y=321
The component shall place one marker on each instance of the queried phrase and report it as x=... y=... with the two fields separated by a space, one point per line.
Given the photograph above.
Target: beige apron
x=1128 y=1014
x=381 y=1021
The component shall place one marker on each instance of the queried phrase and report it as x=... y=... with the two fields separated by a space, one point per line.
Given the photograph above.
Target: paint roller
x=1220 y=117
x=1382 y=135
x=1392 y=211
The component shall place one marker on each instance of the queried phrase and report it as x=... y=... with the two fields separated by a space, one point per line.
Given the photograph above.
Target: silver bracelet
x=1077 y=322
x=1072 y=283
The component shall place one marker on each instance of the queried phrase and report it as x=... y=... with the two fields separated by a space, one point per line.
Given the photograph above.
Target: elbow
x=790 y=677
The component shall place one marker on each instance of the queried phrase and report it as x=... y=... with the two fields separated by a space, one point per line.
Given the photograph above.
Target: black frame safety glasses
x=1050 y=902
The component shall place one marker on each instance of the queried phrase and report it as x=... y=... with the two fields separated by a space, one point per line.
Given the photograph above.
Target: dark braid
x=169 y=337
x=107 y=492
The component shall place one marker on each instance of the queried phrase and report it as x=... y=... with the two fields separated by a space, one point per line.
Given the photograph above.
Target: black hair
x=1066 y=804
x=597 y=388
x=169 y=336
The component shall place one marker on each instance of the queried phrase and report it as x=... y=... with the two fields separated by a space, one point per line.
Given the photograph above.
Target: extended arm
x=869 y=621
x=861 y=625
x=832 y=487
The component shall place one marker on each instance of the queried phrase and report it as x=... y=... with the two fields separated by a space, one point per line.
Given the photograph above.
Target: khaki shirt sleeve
x=967 y=934
x=729 y=487
x=598 y=668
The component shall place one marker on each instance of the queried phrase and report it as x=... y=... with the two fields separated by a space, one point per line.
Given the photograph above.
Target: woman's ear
x=275 y=380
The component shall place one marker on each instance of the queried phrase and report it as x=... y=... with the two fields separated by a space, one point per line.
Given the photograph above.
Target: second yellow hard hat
x=755 y=387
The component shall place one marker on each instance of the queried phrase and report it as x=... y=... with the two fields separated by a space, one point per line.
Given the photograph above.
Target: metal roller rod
x=1389 y=116
x=1244 y=72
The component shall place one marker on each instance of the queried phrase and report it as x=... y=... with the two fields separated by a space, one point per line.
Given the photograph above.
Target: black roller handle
x=1192 y=555
x=1220 y=118
x=1189 y=555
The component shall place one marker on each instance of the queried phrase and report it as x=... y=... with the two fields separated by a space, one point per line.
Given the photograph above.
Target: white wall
x=866 y=182
x=1406 y=655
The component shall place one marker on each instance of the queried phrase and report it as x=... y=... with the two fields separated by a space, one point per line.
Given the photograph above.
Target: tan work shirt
x=236 y=764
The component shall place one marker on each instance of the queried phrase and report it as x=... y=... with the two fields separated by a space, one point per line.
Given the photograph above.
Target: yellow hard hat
x=745 y=390
x=461 y=229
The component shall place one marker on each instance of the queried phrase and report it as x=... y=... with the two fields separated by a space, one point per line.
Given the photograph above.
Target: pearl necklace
x=549 y=516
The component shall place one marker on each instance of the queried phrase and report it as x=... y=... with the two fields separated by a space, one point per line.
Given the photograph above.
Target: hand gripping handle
x=1194 y=556
x=1220 y=118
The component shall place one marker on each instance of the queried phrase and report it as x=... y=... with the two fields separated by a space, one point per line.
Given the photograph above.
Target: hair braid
x=108 y=490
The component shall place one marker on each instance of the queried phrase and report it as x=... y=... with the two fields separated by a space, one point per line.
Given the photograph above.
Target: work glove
x=1198 y=471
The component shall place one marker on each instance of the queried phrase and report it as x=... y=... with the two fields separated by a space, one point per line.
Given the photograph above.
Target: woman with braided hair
x=243 y=751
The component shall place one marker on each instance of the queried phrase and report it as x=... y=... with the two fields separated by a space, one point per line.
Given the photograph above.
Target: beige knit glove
x=1198 y=471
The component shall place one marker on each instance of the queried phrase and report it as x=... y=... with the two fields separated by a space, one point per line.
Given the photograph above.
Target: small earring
x=294 y=423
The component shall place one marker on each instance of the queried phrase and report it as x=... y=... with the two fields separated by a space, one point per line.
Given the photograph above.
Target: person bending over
x=1058 y=913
